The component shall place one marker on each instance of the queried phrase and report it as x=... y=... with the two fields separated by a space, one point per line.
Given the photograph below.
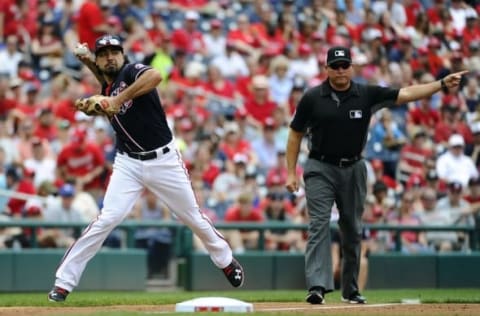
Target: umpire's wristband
x=442 y=84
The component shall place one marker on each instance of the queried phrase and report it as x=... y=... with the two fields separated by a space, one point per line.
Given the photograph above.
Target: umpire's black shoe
x=234 y=273
x=316 y=295
x=355 y=298
x=57 y=294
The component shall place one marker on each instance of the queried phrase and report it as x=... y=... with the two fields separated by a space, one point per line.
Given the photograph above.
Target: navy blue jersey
x=141 y=124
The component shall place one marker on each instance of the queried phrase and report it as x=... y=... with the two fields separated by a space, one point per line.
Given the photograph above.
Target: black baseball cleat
x=316 y=296
x=355 y=298
x=57 y=294
x=234 y=273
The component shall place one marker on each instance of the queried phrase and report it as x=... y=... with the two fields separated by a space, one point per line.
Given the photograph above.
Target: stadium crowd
x=233 y=72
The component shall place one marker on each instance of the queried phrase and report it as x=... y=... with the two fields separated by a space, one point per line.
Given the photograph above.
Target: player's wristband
x=442 y=84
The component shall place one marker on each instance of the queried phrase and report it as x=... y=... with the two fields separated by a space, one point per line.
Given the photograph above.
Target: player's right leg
x=124 y=188
x=170 y=182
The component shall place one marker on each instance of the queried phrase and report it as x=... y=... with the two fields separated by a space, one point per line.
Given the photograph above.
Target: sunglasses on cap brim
x=110 y=41
x=337 y=66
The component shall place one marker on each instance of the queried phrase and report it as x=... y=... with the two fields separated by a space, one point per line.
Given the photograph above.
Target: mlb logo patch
x=339 y=53
x=356 y=114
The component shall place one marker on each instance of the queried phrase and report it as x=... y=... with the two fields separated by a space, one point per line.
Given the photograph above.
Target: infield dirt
x=268 y=307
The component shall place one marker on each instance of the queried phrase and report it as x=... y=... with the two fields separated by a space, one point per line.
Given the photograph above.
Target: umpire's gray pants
x=325 y=184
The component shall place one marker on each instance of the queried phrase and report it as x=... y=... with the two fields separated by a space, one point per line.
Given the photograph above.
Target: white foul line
x=324 y=307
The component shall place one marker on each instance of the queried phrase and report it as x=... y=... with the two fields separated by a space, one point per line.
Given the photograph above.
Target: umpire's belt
x=341 y=162
x=147 y=155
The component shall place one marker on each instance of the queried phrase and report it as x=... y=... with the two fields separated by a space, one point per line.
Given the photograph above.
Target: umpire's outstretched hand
x=453 y=80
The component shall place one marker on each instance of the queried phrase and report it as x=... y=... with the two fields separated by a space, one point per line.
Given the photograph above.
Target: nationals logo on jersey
x=126 y=105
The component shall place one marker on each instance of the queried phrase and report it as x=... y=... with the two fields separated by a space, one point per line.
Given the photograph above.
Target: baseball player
x=146 y=158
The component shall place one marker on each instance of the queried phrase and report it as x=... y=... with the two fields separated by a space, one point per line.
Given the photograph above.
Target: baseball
x=80 y=50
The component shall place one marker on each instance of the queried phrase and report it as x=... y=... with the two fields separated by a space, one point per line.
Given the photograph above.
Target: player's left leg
x=350 y=202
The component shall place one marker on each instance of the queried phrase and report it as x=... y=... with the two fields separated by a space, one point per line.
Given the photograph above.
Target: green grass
x=82 y=298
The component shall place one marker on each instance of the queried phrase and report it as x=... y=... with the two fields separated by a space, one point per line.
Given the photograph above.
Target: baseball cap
x=216 y=23
x=379 y=186
x=108 y=41
x=304 y=49
x=231 y=127
x=260 y=82
x=455 y=186
x=240 y=158
x=79 y=135
x=338 y=53
x=432 y=175
x=66 y=190
x=275 y=179
x=192 y=15
x=299 y=83
x=33 y=207
x=15 y=82
x=269 y=122
x=377 y=164
x=456 y=140
x=241 y=113
x=36 y=141
x=415 y=180
x=475 y=128
x=474 y=181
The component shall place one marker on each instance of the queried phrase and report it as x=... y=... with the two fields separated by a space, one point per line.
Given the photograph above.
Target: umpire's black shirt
x=338 y=121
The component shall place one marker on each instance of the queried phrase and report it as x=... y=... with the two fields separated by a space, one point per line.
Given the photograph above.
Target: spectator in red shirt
x=46 y=127
x=83 y=161
x=91 y=23
x=379 y=174
x=258 y=105
x=233 y=143
x=6 y=102
x=412 y=241
x=188 y=38
x=47 y=49
x=29 y=108
x=413 y=155
x=412 y=9
x=16 y=18
x=218 y=86
x=423 y=116
x=370 y=26
x=244 y=211
x=24 y=141
x=278 y=173
x=276 y=209
x=451 y=123
x=471 y=32
x=245 y=38
x=186 y=5
x=18 y=184
x=473 y=194
x=435 y=12
x=340 y=26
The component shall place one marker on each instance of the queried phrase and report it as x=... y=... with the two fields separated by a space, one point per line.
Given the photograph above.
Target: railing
x=183 y=235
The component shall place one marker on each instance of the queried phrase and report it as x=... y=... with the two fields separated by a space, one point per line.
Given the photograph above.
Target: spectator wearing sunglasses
x=278 y=209
x=335 y=116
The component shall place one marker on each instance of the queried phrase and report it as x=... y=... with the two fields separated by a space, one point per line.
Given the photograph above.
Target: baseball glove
x=96 y=105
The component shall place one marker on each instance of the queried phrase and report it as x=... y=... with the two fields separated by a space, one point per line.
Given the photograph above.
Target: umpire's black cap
x=108 y=41
x=338 y=53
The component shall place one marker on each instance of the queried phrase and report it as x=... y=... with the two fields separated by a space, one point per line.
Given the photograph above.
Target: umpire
x=336 y=115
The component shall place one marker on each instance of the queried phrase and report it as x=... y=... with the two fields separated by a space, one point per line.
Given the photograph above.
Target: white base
x=214 y=304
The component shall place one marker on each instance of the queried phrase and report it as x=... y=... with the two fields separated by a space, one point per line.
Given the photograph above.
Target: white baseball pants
x=167 y=177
